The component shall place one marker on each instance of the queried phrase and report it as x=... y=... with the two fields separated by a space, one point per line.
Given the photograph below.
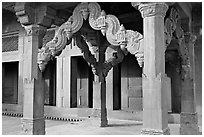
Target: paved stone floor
x=12 y=126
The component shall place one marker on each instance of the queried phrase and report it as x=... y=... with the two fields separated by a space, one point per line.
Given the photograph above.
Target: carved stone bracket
x=170 y=25
x=109 y=25
x=82 y=43
x=29 y=13
x=117 y=56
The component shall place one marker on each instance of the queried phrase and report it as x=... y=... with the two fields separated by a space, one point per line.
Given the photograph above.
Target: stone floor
x=12 y=126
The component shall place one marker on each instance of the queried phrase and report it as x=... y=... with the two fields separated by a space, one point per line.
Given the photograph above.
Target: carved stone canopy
x=109 y=25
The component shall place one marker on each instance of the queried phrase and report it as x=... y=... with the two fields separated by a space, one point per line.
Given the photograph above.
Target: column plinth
x=155 y=132
x=34 y=126
x=188 y=123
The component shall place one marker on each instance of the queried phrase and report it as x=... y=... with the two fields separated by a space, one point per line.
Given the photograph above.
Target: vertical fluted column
x=155 y=82
x=33 y=121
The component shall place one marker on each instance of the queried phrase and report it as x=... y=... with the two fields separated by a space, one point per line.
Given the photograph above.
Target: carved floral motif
x=151 y=8
x=170 y=26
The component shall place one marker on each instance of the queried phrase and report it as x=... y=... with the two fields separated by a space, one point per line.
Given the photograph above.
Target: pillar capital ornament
x=35 y=30
x=148 y=9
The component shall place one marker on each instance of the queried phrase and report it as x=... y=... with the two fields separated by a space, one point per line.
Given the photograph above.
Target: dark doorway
x=81 y=83
x=117 y=87
x=131 y=85
x=172 y=68
x=10 y=82
x=49 y=76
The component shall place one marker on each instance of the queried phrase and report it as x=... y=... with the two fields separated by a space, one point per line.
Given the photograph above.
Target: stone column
x=155 y=82
x=102 y=82
x=20 y=68
x=33 y=121
x=99 y=85
x=96 y=93
x=96 y=89
x=109 y=90
x=67 y=81
x=59 y=82
x=188 y=116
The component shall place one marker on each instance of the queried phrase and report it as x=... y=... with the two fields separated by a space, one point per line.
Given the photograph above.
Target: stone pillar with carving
x=188 y=116
x=155 y=82
x=33 y=121
x=35 y=20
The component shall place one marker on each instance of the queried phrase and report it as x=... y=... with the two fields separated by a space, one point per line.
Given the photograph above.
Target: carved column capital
x=151 y=9
x=35 y=30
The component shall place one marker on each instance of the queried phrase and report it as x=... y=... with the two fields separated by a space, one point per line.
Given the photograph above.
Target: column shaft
x=33 y=106
x=155 y=82
x=102 y=80
x=188 y=116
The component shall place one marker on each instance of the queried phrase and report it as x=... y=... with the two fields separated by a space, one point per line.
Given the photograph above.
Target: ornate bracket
x=109 y=25
x=170 y=26
x=117 y=55
x=27 y=15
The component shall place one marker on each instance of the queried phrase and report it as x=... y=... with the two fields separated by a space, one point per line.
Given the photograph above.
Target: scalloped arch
x=116 y=34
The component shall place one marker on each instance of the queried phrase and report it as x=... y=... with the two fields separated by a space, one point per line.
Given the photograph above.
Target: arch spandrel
x=115 y=33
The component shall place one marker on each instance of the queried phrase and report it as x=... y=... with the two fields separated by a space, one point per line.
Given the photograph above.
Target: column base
x=104 y=121
x=33 y=126
x=155 y=131
x=189 y=124
x=155 y=106
x=97 y=114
